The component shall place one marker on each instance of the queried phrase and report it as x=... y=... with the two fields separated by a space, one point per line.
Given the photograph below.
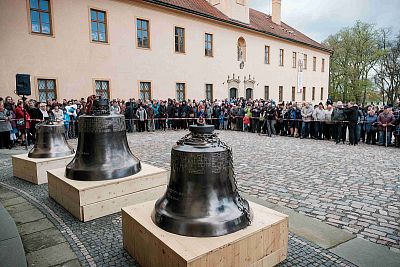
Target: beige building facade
x=157 y=49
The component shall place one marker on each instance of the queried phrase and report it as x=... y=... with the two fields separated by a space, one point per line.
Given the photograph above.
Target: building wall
x=74 y=61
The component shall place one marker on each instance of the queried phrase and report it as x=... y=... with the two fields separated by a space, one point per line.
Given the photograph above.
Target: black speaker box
x=23 y=84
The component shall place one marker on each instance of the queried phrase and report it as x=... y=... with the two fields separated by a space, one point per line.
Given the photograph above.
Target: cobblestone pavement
x=266 y=168
x=356 y=188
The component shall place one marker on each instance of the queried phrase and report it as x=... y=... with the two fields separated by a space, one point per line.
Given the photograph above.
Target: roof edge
x=237 y=24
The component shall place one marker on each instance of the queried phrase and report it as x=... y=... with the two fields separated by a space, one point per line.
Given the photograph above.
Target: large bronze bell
x=50 y=142
x=103 y=152
x=202 y=197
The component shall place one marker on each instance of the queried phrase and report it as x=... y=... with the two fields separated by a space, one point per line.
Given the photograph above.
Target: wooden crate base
x=94 y=199
x=34 y=170
x=263 y=243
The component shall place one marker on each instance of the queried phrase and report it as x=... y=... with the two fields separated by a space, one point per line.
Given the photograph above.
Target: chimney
x=276 y=11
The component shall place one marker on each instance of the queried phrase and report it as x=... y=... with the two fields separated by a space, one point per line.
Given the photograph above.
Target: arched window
x=241 y=46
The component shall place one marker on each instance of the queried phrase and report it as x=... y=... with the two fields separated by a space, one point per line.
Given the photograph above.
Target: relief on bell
x=50 y=142
x=103 y=152
x=202 y=198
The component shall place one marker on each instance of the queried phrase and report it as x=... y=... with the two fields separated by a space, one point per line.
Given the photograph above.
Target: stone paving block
x=7 y=226
x=51 y=256
x=19 y=207
x=367 y=254
x=13 y=201
x=43 y=239
x=36 y=226
x=27 y=216
x=7 y=195
x=73 y=263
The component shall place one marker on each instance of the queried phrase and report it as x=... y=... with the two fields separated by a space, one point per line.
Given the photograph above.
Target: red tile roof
x=258 y=21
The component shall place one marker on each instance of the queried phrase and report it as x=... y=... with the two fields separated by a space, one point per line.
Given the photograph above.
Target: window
x=142 y=31
x=266 y=92
x=98 y=25
x=314 y=64
x=313 y=94
x=180 y=91
x=294 y=59
x=323 y=65
x=47 y=89
x=322 y=93
x=281 y=57
x=145 y=91
x=208 y=45
x=280 y=93
x=209 y=91
x=305 y=62
x=266 y=57
x=179 y=40
x=40 y=13
x=304 y=94
x=293 y=93
x=102 y=89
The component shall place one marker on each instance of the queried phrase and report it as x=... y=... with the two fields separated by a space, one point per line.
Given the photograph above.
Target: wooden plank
x=96 y=191
x=113 y=205
x=263 y=243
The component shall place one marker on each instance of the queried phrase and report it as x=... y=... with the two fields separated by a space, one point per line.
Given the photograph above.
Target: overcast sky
x=320 y=18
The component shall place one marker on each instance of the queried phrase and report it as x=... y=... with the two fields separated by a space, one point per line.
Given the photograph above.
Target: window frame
x=322 y=93
x=184 y=40
x=294 y=59
x=305 y=59
x=148 y=33
x=103 y=80
x=212 y=44
x=313 y=94
x=265 y=55
x=281 y=57
x=212 y=91
x=314 y=63
x=151 y=89
x=293 y=93
x=106 y=13
x=184 y=90
x=36 y=81
x=304 y=94
x=51 y=21
x=266 y=92
x=280 y=93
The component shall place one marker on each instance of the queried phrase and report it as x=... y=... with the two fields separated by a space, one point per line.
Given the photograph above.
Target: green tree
x=355 y=52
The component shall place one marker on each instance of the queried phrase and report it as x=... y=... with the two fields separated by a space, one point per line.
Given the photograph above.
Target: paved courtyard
x=354 y=188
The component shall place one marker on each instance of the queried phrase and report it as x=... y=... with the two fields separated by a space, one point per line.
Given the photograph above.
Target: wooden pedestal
x=91 y=200
x=263 y=243
x=34 y=170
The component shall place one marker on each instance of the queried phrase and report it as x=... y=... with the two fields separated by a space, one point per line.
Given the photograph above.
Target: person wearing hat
x=386 y=122
x=338 y=118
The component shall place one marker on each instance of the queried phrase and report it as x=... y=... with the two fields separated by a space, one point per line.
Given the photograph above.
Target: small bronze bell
x=50 y=142
x=202 y=198
x=103 y=152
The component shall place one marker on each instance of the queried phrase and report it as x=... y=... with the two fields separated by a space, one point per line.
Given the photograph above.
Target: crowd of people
x=340 y=122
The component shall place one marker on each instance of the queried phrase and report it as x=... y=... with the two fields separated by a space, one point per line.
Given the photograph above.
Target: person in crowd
x=328 y=122
x=352 y=116
x=36 y=116
x=115 y=108
x=162 y=110
x=43 y=109
x=246 y=123
x=58 y=114
x=319 y=118
x=23 y=123
x=215 y=115
x=5 y=126
x=271 y=119
x=142 y=117
x=129 y=116
x=386 y=121
x=339 y=118
x=306 y=114
x=150 y=118
x=255 y=119
x=370 y=126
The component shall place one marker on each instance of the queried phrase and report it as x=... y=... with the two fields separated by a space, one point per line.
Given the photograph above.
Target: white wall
x=74 y=61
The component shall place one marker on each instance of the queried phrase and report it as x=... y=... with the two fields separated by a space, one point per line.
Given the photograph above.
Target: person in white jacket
x=319 y=118
x=306 y=114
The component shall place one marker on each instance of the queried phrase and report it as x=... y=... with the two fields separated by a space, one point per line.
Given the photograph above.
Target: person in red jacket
x=19 y=115
x=246 y=123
